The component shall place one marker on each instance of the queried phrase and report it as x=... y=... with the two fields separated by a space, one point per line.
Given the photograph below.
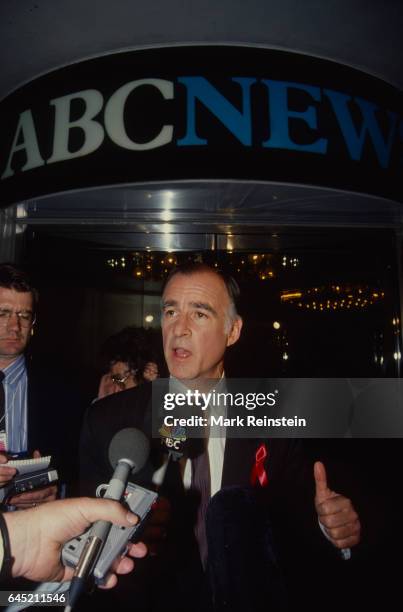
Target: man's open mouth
x=181 y=353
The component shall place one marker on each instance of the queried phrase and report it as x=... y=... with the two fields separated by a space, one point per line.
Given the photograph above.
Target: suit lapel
x=239 y=458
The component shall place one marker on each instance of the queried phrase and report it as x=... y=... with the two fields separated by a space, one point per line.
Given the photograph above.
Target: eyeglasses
x=120 y=379
x=26 y=318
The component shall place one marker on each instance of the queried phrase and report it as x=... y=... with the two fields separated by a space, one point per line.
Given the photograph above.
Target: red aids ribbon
x=258 y=471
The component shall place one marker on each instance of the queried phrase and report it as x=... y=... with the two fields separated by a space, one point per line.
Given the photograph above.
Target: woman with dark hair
x=129 y=357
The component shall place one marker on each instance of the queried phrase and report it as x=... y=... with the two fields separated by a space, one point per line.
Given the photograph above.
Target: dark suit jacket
x=55 y=412
x=289 y=497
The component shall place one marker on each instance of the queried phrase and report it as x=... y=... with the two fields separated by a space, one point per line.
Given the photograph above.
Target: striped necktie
x=201 y=484
x=2 y=403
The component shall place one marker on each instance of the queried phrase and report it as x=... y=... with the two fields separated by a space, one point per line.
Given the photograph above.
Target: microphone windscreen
x=132 y=444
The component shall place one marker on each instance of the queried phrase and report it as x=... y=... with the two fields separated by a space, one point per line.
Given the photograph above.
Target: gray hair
x=230 y=283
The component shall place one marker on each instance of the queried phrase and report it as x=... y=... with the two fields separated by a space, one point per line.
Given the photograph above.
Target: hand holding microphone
x=128 y=453
x=37 y=535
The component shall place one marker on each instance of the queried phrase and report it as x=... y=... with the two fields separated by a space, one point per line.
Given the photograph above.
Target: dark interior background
x=86 y=294
x=89 y=291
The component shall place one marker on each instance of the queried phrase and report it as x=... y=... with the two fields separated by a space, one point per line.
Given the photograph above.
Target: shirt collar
x=14 y=371
x=177 y=386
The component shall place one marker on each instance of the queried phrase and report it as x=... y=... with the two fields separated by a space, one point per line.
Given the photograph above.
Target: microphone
x=174 y=441
x=128 y=453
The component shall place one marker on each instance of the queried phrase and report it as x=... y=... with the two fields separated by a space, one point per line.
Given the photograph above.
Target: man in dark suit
x=35 y=407
x=199 y=321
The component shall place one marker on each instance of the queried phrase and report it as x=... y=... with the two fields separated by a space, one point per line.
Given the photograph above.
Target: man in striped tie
x=17 y=317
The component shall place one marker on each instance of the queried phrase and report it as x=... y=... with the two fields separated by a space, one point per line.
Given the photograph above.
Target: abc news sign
x=201 y=113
